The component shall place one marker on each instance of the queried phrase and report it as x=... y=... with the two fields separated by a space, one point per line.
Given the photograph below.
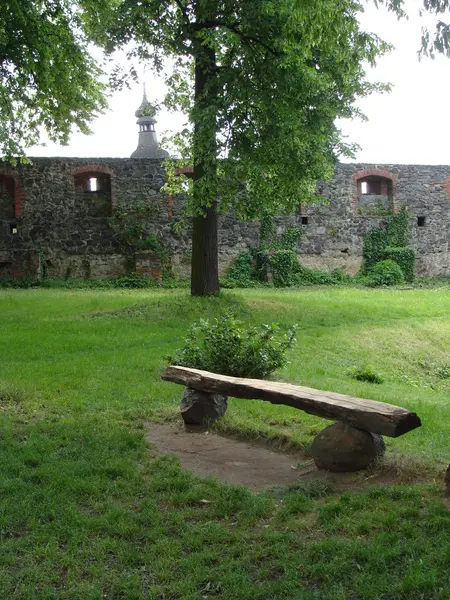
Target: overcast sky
x=411 y=124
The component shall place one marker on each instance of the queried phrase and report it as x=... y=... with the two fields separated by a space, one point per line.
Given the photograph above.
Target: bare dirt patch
x=232 y=461
x=258 y=466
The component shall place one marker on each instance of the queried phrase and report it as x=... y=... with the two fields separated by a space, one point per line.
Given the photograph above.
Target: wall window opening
x=93 y=191
x=420 y=221
x=375 y=195
x=304 y=220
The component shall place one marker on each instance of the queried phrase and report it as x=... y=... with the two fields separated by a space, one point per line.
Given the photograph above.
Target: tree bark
x=205 y=264
x=204 y=267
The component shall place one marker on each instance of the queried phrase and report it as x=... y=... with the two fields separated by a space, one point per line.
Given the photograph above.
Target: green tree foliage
x=262 y=83
x=48 y=81
x=437 y=41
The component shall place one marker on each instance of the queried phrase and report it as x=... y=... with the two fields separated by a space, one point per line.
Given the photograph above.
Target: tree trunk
x=205 y=266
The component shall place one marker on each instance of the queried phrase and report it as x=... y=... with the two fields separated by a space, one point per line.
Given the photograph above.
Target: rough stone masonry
x=56 y=212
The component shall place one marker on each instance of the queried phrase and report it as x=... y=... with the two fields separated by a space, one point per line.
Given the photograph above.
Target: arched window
x=7 y=204
x=94 y=192
x=375 y=193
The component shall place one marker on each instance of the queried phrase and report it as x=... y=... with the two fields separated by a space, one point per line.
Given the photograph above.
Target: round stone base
x=343 y=448
x=201 y=408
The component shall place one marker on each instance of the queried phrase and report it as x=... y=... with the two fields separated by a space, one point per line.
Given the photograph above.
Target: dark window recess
x=12 y=228
x=372 y=186
x=94 y=193
x=7 y=210
x=375 y=195
x=420 y=221
x=304 y=220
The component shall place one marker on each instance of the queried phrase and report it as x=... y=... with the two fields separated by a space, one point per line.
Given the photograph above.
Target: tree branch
x=234 y=27
x=183 y=10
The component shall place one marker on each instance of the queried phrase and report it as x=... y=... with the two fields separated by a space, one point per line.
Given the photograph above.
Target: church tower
x=148 y=142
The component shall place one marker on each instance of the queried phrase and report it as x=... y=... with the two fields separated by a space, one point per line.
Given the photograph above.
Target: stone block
x=201 y=408
x=343 y=448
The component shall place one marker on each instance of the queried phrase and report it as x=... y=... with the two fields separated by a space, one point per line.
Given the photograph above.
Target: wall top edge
x=114 y=160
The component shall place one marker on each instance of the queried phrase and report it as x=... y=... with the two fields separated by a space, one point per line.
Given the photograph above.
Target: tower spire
x=148 y=141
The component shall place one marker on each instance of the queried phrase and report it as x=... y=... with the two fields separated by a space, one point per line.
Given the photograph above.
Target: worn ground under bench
x=258 y=466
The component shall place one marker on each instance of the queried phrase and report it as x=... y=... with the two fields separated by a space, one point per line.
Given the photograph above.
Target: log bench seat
x=350 y=444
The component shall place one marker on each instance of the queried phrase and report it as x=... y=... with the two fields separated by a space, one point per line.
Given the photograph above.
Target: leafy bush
x=290 y=239
x=228 y=283
x=241 y=269
x=306 y=276
x=23 y=282
x=229 y=347
x=135 y=281
x=283 y=266
x=262 y=260
x=131 y=281
x=405 y=257
x=365 y=374
x=385 y=272
x=340 y=276
x=394 y=234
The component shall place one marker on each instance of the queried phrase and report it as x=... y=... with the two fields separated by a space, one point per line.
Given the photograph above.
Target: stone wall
x=55 y=217
x=334 y=234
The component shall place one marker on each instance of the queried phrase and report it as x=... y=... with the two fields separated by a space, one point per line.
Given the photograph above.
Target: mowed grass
x=86 y=514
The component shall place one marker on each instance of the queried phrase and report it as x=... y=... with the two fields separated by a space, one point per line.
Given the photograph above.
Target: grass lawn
x=86 y=514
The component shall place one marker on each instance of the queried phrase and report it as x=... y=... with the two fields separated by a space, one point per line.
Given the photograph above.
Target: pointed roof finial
x=146 y=109
x=148 y=142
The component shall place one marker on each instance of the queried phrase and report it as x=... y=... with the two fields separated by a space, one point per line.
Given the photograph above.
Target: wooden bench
x=360 y=424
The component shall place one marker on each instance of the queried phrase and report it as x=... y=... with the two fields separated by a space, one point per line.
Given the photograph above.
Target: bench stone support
x=343 y=448
x=201 y=408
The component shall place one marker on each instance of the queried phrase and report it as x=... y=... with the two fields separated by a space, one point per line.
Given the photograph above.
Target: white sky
x=409 y=125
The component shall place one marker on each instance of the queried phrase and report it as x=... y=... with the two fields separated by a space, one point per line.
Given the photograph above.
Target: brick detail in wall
x=19 y=194
x=356 y=178
x=93 y=169
x=187 y=171
x=446 y=185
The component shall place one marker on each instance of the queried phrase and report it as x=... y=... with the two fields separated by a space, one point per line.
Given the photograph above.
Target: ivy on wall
x=390 y=242
x=128 y=224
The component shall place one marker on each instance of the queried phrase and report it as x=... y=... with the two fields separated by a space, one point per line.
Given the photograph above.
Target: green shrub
x=229 y=347
x=340 y=276
x=135 y=281
x=365 y=374
x=393 y=233
x=290 y=239
x=283 y=266
x=374 y=243
x=23 y=282
x=385 y=272
x=241 y=269
x=262 y=260
x=405 y=257
x=306 y=276
x=228 y=283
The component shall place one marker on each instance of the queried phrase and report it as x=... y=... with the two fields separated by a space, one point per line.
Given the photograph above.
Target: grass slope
x=86 y=515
